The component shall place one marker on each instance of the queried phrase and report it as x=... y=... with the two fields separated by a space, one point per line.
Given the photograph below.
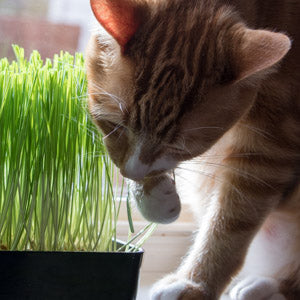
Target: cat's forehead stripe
x=192 y=44
x=161 y=42
x=151 y=54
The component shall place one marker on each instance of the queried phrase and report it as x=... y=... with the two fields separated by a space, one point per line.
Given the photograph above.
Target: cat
x=216 y=81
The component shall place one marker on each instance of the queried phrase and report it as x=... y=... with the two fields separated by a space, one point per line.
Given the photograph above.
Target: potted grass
x=60 y=195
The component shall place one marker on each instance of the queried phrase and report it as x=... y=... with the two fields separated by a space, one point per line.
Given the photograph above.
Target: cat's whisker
x=224 y=156
x=117 y=99
x=194 y=144
x=102 y=90
x=238 y=171
x=184 y=145
x=201 y=128
x=221 y=180
x=217 y=179
x=212 y=176
x=112 y=132
x=187 y=180
x=99 y=111
x=258 y=131
x=180 y=145
x=90 y=132
x=103 y=93
x=121 y=133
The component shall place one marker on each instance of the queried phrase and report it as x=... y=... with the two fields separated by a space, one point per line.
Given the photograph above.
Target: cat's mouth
x=157 y=199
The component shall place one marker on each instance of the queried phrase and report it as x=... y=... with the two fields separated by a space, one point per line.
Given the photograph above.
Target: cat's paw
x=172 y=288
x=256 y=288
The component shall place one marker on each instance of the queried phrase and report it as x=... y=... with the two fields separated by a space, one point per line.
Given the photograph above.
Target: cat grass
x=59 y=190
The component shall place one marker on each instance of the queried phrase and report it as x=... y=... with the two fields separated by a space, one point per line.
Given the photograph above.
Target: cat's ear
x=260 y=50
x=120 y=18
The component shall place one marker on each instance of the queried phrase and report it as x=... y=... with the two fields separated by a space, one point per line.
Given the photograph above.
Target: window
x=48 y=26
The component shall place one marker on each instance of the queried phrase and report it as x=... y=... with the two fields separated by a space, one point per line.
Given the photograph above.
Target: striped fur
x=195 y=80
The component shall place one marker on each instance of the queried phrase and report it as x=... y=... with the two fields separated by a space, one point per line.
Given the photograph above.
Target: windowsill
x=163 y=254
x=164 y=249
x=146 y=285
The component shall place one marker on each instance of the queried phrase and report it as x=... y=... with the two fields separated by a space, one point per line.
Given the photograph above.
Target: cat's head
x=168 y=78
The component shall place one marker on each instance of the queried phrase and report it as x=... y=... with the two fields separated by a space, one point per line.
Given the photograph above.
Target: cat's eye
x=113 y=124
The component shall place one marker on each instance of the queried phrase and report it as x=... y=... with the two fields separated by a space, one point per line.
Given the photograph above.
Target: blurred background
x=44 y=25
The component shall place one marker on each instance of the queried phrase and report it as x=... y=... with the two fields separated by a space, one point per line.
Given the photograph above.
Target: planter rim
x=71 y=252
x=140 y=251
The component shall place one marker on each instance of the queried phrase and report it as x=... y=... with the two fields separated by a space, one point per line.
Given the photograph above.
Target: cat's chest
x=280 y=229
x=275 y=246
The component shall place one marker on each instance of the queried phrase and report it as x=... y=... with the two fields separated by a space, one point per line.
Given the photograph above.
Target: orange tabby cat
x=170 y=80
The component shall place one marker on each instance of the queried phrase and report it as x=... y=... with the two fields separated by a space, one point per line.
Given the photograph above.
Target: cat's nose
x=134 y=169
x=137 y=175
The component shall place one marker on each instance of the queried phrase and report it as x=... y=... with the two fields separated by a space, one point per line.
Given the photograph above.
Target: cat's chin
x=157 y=199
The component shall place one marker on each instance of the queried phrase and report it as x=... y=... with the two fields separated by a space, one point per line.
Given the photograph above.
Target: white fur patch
x=168 y=292
x=256 y=288
x=272 y=248
x=162 y=204
x=134 y=168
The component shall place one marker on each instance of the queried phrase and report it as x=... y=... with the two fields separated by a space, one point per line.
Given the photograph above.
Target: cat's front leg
x=221 y=243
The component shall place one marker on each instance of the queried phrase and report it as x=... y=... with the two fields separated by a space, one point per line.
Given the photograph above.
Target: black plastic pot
x=69 y=275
